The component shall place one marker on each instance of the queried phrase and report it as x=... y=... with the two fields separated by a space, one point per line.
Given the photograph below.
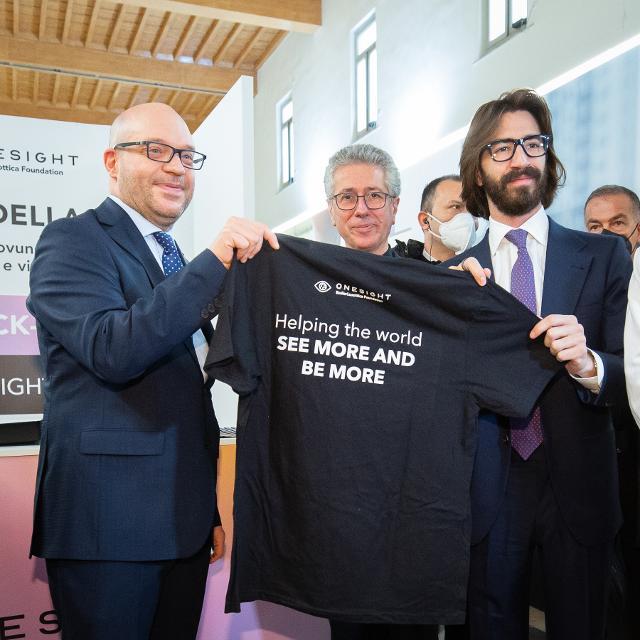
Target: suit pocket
x=119 y=442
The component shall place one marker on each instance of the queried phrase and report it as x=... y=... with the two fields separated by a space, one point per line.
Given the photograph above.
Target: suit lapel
x=483 y=253
x=121 y=229
x=565 y=271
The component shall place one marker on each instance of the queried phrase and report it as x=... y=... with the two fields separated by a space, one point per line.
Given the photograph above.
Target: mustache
x=514 y=174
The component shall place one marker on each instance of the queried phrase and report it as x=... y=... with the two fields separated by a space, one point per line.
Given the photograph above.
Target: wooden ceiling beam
x=139 y=31
x=92 y=23
x=44 y=56
x=114 y=96
x=50 y=112
x=247 y=50
x=76 y=93
x=115 y=30
x=56 y=89
x=277 y=39
x=16 y=17
x=206 y=41
x=80 y=114
x=95 y=94
x=184 y=37
x=134 y=95
x=14 y=84
x=67 y=22
x=228 y=41
x=43 y=19
x=289 y=15
x=161 y=34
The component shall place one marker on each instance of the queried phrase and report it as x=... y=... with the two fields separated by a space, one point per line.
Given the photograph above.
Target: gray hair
x=615 y=190
x=363 y=154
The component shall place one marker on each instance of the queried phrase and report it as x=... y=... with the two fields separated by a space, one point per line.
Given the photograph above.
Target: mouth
x=170 y=187
x=521 y=180
x=362 y=228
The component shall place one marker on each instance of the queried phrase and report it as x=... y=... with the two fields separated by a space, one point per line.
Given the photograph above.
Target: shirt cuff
x=593 y=383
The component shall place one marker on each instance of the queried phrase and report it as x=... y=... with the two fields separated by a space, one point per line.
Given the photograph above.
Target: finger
x=271 y=238
x=540 y=327
x=475 y=269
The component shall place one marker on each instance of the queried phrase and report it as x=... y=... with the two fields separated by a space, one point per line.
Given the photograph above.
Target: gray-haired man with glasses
x=125 y=509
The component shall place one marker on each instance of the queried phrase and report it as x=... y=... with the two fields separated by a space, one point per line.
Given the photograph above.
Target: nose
x=175 y=165
x=361 y=207
x=520 y=158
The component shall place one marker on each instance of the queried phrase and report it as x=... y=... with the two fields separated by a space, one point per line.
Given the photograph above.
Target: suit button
x=618 y=450
x=506 y=439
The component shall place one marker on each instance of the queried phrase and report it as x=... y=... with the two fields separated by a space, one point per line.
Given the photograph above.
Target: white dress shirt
x=504 y=254
x=147 y=229
x=631 y=341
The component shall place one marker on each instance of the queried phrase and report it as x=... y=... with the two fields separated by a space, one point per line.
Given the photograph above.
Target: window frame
x=370 y=80
x=510 y=28
x=282 y=126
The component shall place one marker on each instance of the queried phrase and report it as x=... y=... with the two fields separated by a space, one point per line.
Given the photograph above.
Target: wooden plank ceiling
x=88 y=60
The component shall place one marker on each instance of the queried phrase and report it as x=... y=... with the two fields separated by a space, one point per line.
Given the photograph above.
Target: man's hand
x=564 y=337
x=471 y=265
x=245 y=236
x=217 y=544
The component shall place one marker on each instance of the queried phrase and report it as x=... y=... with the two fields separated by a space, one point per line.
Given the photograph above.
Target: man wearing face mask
x=449 y=229
x=614 y=210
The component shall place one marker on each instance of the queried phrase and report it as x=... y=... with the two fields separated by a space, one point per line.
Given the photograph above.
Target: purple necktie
x=526 y=433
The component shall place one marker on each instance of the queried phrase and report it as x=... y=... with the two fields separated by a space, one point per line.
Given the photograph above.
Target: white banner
x=48 y=170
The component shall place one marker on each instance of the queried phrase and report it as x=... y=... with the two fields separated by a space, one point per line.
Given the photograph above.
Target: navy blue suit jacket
x=586 y=275
x=129 y=441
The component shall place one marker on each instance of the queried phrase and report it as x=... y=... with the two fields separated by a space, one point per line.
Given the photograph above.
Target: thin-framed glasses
x=160 y=152
x=373 y=199
x=534 y=146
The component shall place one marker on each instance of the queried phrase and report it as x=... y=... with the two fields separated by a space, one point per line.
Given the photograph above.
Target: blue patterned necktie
x=171 y=259
x=526 y=433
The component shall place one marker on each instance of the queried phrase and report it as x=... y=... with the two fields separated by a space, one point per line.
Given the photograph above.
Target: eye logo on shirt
x=322 y=286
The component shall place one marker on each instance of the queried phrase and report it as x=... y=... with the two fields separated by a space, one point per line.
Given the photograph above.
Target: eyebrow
x=160 y=140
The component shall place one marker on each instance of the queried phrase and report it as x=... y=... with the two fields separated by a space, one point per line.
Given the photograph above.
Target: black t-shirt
x=361 y=378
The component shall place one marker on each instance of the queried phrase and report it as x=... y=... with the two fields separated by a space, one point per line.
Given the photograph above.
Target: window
x=503 y=19
x=285 y=126
x=366 y=76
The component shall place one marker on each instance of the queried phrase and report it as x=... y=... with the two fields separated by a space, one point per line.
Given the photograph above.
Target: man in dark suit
x=125 y=506
x=549 y=482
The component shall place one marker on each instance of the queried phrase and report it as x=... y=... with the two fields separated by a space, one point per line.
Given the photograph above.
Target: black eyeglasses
x=534 y=146
x=373 y=200
x=160 y=152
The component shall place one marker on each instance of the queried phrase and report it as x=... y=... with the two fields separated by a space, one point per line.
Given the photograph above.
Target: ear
x=332 y=216
x=479 y=178
x=110 y=159
x=423 y=220
x=394 y=208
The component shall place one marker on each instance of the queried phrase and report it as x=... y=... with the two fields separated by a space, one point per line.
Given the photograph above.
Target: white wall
x=224 y=187
x=431 y=77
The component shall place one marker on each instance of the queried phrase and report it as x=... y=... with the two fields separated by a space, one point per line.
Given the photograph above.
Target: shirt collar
x=537 y=226
x=145 y=227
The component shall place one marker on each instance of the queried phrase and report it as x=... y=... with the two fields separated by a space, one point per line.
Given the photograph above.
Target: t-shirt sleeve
x=507 y=370
x=232 y=354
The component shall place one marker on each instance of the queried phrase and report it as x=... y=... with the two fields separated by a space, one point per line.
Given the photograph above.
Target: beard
x=515 y=202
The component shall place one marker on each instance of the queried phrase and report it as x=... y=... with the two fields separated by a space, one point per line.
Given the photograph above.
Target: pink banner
x=25 y=605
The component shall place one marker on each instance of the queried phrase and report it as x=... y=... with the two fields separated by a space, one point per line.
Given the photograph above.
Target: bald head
x=137 y=117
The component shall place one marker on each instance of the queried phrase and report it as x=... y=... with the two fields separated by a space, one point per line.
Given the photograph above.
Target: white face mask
x=460 y=233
